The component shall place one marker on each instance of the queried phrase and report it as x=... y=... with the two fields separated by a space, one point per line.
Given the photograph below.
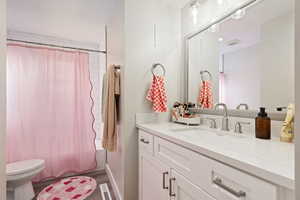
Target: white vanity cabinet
x=159 y=181
x=170 y=171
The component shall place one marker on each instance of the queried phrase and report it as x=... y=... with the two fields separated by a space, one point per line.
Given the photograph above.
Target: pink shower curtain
x=49 y=109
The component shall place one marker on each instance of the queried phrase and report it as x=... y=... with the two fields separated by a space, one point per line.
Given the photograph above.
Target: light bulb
x=214 y=28
x=220 y=2
x=195 y=14
x=239 y=14
x=220 y=39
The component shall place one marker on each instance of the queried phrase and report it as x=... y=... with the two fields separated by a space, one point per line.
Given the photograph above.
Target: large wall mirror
x=245 y=58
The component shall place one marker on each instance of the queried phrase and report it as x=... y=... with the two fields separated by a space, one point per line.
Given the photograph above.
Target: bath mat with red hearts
x=73 y=188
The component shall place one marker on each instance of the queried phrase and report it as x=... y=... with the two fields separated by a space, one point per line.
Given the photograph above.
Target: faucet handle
x=213 y=122
x=238 y=126
x=243 y=105
x=221 y=105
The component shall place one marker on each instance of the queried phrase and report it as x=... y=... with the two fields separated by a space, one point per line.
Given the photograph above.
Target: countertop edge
x=242 y=166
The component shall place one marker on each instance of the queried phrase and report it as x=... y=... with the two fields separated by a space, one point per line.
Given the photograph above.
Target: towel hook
x=202 y=74
x=154 y=66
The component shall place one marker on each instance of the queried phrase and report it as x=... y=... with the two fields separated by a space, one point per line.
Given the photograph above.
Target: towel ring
x=207 y=72
x=154 y=66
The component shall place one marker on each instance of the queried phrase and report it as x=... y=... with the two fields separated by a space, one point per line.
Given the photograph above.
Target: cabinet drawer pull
x=170 y=187
x=144 y=141
x=218 y=181
x=164 y=181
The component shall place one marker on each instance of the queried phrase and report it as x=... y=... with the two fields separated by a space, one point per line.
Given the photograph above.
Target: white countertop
x=270 y=160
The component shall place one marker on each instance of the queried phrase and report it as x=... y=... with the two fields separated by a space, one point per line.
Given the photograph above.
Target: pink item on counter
x=49 y=109
x=157 y=94
x=205 y=98
x=74 y=188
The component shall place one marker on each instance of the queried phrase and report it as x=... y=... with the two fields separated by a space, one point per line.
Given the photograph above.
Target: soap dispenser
x=263 y=125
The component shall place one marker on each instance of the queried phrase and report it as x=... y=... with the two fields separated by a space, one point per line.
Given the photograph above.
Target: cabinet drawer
x=146 y=142
x=192 y=165
x=228 y=183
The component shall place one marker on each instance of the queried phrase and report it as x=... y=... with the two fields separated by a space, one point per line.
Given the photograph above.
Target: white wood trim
x=113 y=182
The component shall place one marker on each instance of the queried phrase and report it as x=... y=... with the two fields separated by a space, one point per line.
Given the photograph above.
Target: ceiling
x=77 y=20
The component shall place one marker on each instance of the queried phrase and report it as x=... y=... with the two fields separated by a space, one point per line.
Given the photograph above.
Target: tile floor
x=99 y=176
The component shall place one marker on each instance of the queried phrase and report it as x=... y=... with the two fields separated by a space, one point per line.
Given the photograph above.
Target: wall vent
x=105 y=193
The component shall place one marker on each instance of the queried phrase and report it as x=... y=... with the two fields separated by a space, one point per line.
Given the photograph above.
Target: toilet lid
x=22 y=167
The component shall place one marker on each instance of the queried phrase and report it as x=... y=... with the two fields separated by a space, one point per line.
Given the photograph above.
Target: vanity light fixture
x=194 y=11
x=239 y=14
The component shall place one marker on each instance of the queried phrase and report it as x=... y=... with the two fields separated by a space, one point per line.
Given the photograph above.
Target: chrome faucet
x=225 y=120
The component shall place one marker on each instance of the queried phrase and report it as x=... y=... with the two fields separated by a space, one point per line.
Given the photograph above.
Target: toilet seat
x=23 y=167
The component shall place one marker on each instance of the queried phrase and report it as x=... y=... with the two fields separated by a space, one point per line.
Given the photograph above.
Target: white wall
x=116 y=56
x=297 y=92
x=140 y=54
x=2 y=98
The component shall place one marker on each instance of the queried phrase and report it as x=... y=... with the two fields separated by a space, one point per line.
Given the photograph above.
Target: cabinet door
x=182 y=189
x=153 y=179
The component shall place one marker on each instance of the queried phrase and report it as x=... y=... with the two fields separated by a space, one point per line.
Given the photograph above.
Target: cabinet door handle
x=218 y=181
x=170 y=187
x=144 y=141
x=164 y=181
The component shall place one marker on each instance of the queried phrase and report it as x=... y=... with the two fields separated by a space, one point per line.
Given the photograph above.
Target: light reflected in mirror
x=249 y=57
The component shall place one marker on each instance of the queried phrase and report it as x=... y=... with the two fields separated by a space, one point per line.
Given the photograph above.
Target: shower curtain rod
x=56 y=46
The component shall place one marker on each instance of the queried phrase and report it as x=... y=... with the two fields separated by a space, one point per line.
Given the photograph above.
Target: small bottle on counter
x=263 y=125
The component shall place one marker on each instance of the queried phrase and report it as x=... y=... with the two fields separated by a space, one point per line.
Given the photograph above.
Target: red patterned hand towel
x=157 y=94
x=206 y=96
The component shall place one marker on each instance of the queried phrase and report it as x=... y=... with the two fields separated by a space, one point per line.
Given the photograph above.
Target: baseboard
x=113 y=182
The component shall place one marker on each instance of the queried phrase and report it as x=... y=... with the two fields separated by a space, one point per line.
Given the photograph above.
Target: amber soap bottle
x=263 y=125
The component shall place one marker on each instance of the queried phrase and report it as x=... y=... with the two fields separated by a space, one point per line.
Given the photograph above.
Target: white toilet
x=19 y=176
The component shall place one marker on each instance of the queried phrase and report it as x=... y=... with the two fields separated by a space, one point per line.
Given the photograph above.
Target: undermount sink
x=185 y=128
x=204 y=130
